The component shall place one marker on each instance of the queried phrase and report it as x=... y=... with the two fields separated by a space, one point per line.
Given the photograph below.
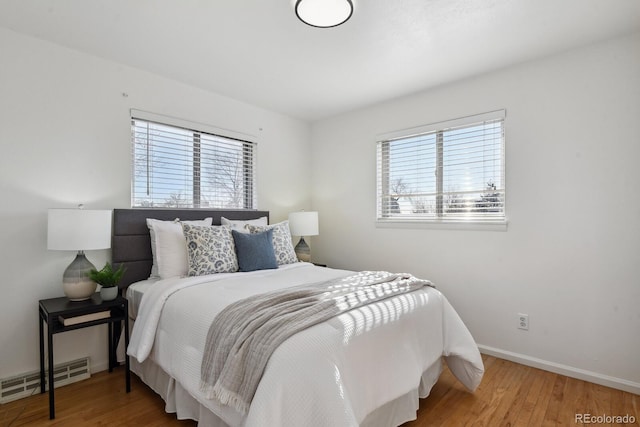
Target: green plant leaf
x=107 y=277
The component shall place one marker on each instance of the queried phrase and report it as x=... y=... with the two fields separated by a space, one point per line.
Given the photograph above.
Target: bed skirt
x=178 y=401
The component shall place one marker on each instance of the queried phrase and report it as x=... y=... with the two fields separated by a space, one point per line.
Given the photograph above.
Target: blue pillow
x=255 y=251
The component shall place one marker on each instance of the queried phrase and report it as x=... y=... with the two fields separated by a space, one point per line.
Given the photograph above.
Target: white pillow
x=241 y=225
x=171 y=259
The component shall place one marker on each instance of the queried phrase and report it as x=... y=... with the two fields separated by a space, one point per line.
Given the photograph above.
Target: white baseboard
x=569 y=371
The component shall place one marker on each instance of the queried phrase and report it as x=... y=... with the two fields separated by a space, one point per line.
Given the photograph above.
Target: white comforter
x=332 y=374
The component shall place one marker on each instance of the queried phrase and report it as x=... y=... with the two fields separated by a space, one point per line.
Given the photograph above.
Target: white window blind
x=446 y=172
x=181 y=167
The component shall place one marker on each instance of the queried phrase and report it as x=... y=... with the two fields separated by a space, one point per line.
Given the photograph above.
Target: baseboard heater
x=25 y=385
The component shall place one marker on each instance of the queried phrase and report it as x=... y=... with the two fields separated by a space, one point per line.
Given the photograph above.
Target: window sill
x=443 y=225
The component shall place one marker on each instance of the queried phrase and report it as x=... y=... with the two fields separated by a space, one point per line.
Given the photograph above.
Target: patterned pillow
x=282 y=245
x=210 y=249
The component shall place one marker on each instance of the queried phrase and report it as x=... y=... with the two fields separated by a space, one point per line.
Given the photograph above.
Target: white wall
x=65 y=139
x=571 y=255
x=573 y=139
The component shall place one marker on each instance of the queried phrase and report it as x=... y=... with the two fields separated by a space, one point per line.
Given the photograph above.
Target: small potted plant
x=108 y=279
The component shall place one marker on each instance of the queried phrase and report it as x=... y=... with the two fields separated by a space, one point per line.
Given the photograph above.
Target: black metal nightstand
x=114 y=313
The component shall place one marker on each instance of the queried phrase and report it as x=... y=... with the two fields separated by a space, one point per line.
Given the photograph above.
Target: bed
x=364 y=367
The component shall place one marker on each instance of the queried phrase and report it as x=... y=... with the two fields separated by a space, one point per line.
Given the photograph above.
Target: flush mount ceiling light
x=324 y=13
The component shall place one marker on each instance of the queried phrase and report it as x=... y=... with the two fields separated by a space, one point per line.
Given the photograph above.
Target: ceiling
x=257 y=51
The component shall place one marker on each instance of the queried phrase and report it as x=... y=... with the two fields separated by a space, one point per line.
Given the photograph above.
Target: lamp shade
x=303 y=223
x=324 y=13
x=78 y=229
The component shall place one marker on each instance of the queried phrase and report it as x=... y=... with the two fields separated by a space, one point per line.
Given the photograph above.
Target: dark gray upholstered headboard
x=131 y=243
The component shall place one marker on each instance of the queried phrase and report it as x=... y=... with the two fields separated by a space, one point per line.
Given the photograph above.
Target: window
x=182 y=167
x=443 y=173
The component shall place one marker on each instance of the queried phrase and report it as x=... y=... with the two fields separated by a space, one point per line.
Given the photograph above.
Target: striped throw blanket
x=243 y=336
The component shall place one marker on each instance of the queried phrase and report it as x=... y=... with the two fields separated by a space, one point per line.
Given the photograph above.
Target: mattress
x=365 y=367
x=135 y=292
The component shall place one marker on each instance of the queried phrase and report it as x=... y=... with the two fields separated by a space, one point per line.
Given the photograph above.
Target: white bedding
x=332 y=374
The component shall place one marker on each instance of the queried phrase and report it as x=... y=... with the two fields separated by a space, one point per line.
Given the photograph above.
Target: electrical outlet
x=523 y=321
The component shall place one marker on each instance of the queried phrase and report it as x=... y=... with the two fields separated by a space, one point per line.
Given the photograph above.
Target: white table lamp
x=78 y=230
x=303 y=224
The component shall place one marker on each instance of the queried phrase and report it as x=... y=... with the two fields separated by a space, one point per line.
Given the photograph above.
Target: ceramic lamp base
x=303 y=252
x=75 y=281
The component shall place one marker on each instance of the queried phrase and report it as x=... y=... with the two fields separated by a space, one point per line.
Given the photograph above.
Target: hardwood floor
x=98 y=401
x=516 y=395
x=510 y=395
